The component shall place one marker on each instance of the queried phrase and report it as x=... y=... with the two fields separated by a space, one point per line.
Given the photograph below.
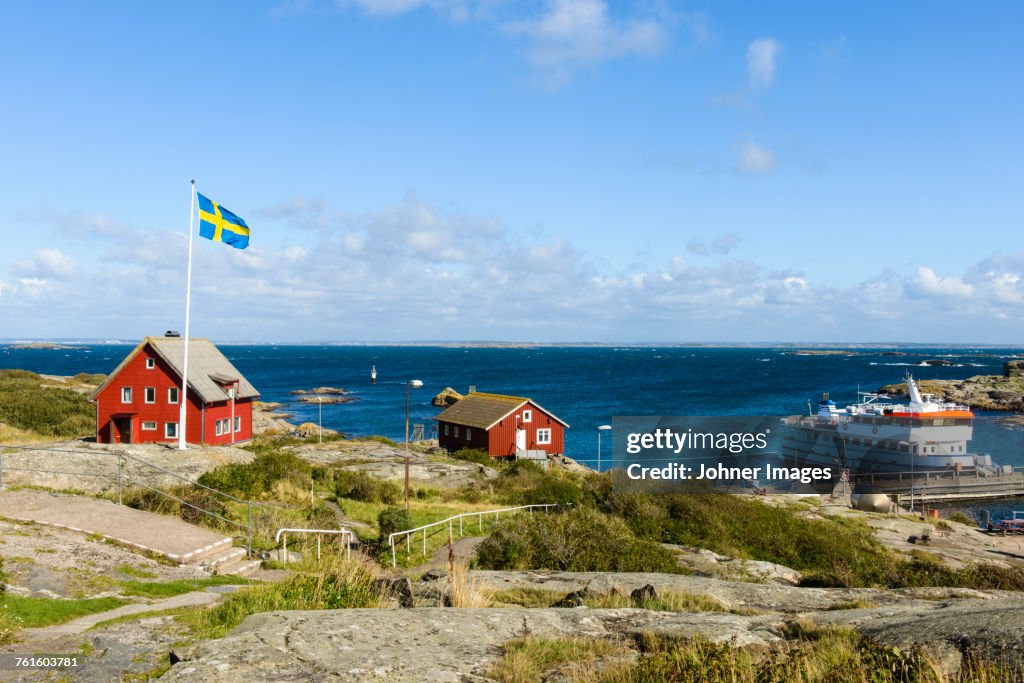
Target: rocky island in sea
x=985 y=392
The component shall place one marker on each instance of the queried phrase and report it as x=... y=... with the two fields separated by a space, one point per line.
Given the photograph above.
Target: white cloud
x=413 y=270
x=50 y=264
x=761 y=58
x=572 y=33
x=754 y=159
x=928 y=283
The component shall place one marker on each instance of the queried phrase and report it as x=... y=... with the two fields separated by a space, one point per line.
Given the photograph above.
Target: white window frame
x=149 y=426
x=175 y=392
x=170 y=430
x=446 y=430
x=145 y=394
x=544 y=437
x=456 y=431
x=217 y=428
x=527 y=416
x=238 y=424
x=150 y=363
x=126 y=391
x=469 y=434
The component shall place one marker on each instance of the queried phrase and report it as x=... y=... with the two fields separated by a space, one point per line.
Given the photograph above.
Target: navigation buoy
x=373 y=374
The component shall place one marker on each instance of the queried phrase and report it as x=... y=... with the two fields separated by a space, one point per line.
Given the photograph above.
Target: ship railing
x=1002 y=472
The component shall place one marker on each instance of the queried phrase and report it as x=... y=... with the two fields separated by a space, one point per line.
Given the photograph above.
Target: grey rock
x=434 y=575
x=398 y=589
x=645 y=593
x=426 y=644
x=574 y=599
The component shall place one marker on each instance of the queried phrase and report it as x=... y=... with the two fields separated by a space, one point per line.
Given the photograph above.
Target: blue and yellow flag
x=220 y=225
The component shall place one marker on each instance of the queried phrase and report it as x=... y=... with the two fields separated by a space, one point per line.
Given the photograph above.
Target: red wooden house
x=500 y=425
x=138 y=403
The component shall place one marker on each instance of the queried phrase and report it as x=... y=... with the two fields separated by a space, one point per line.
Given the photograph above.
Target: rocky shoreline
x=1003 y=393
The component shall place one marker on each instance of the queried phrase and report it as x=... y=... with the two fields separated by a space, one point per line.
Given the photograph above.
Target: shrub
x=480 y=457
x=961 y=518
x=253 y=480
x=363 y=487
x=580 y=540
x=54 y=412
x=393 y=519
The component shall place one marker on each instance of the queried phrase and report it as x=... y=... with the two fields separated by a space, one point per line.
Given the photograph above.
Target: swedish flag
x=220 y=225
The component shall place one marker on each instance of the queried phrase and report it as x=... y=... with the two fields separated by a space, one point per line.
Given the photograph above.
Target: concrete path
x=168 y=536
x=465 y=550
x=83 y=624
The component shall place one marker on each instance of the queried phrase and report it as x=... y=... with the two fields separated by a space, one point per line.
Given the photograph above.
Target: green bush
x=524 y=482
x=363 y=487
x=393 y=519
x=582 y=540
x=480 y=457
x=253 y=480
x=53 y=412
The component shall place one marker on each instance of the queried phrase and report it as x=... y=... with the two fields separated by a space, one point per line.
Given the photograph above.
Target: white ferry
x=878 y=435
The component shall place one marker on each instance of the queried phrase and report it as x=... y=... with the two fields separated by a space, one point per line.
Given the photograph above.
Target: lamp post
x=320 y=417
x=601 y=428
x=411 y=384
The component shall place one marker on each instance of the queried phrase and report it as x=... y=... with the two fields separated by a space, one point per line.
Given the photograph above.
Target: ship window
x=867 y=442
x=904 y=448
x=856 y=441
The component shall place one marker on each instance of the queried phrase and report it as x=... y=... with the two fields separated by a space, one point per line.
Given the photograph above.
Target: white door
x=520 y=439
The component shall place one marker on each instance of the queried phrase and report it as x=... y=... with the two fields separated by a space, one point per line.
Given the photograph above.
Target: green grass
x=527 y=660
x=167 y=589
x=176 y=611
x=44 y=411
x=336 y=585
x=137 y=572
x=838 y=655
x=36 y=612
x=667 y=601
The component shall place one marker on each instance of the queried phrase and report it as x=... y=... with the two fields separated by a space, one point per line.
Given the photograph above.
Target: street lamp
x=320 y=416
x=411 y=384
x=602 y=428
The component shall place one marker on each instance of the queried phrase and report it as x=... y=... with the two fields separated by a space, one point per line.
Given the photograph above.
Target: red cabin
x=504 y=426
x=139 y=402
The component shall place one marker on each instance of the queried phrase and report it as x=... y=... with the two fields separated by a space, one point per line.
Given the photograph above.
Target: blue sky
x=564 y=170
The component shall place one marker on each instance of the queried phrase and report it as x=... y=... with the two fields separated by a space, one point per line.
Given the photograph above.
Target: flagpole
x=183 y=398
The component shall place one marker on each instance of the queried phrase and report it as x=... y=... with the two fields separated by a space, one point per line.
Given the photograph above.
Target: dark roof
x=207 y=367
x=483 y=411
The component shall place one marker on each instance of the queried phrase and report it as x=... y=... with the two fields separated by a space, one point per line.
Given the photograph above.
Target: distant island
x=40 y=345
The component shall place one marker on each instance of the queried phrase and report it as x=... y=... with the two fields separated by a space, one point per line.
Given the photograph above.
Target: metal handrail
x=343 y=532
x=450 y=522
x=121 y=476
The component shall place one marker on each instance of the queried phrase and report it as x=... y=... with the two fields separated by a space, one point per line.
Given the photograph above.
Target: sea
x=584 y=386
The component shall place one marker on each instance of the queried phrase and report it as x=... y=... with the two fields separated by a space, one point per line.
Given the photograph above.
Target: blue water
x=586 y=387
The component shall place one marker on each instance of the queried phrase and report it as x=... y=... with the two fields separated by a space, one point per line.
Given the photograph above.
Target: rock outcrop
x=454 y=645
x=984 y=392
x=446 y=397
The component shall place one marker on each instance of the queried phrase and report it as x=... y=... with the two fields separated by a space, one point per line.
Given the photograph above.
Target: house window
x=172 y=395
x=126 y=394
x=150 y=394
x=446 y=429
x=527 y=416
x=469 y=433
x=456 y=431
x=149 y=426
x=543 y=436
x=171 y=430
x=150 y=363
x=238 y=424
